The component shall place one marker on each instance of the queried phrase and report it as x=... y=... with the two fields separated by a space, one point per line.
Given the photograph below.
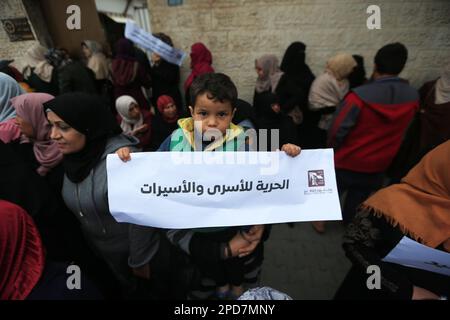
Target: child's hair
x=391 y=58
x=217 y=86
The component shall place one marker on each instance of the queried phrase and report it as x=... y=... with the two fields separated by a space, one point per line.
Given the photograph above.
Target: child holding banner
x=230 y=256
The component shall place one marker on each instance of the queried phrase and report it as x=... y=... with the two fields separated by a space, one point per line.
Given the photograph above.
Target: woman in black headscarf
x=271 y=118
x=86 y=133
x=165 y=76
x=294 y=85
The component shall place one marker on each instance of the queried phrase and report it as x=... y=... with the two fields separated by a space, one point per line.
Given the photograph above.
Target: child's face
x=133 y=111
x=212 y=113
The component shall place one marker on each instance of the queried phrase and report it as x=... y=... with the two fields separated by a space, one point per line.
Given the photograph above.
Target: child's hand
x=291 y=149
x=124 y=154
x=143 y=128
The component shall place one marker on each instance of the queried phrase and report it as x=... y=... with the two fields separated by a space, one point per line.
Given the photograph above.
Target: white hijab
x=123 y=106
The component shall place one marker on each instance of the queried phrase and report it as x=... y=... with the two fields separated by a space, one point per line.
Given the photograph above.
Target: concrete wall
x=238 y=31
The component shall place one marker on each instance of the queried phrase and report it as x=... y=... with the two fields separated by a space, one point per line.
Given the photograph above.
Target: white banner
x=151 y=43
x=180 y=190
x=416 y=255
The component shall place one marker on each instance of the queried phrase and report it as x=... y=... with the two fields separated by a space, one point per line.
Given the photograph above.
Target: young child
x=224 y=255
x=133 y=120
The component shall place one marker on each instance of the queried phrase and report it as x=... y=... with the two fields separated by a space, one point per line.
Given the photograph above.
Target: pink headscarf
x=22 y=254
x=29 y=107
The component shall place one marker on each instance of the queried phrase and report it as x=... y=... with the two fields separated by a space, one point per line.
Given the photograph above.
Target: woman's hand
x=142 y=128
x=124 y=154
x=291 y=149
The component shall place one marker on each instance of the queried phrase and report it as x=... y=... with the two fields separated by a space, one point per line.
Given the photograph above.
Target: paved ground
x=303 y=263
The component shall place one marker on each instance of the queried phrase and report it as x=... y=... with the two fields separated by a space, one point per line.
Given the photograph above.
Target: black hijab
x=358 y=75
x=297 y=78
x=271 y=120
x=267 y=118
x=89 y=115
x=293 y=62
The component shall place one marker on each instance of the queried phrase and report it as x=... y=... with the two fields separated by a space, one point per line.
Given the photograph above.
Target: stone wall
x=238 y=31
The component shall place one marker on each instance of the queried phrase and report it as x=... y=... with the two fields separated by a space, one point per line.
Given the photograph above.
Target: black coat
x=40 y=85
x=166 y=79
x=160 y=131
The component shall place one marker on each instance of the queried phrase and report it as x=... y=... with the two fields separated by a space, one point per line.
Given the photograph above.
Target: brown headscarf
x=420 y=204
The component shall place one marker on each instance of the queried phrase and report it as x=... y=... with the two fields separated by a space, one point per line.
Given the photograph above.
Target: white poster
x=151 y=43
x=413 y=254
x=207 y=189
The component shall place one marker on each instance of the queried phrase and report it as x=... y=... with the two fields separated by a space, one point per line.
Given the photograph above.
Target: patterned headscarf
x=264 y=293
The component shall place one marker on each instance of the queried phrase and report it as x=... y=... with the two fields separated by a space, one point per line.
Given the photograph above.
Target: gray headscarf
x=271 y=73
x=94 y=46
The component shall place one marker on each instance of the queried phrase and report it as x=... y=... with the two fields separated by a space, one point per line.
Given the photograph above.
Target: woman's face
x=133 y=111
x=259 y=71
x=25 y=127
x=86 y=51
x=68 y=139
x=170 y=110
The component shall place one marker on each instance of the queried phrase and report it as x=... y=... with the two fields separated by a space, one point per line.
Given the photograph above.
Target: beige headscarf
x=443 y=86
x=35 y=59
x=271 y=73
x=330 y=87
x=97 y=62
x=341 y=65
